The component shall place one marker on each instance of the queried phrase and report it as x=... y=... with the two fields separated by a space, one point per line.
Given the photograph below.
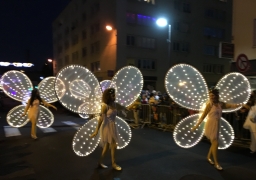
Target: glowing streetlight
x=109 y=28
x=51 y=63
x=162 y=22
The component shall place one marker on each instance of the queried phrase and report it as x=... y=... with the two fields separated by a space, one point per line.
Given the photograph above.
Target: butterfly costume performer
x=18 y=86
x=187 y=87
x=83 y=95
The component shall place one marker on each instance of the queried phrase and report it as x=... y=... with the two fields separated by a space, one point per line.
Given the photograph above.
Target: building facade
x=244 y=28
x=197 y=28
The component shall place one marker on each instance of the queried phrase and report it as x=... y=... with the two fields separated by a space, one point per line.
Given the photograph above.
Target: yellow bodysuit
x=33 y=112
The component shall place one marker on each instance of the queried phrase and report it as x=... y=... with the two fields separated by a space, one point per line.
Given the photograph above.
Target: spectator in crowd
x=155 y=95
x=242 y=113
x=153 y=102
x=144 y=99
x=135 y=107
x=250 y=124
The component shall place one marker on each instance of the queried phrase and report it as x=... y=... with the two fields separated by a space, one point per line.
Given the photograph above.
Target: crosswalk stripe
x=70 y=123
x=11 y=131
x=48 y=130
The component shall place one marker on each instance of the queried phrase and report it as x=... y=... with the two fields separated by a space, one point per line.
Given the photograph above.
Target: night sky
x=26 y=29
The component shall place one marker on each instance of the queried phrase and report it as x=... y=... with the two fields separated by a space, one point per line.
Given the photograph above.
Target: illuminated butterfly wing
x=46 y=89
x=238 y=94
x=226 y=134
x=82 y=91
x=182 y=133
x=14 y=117
x=45 y=118
x=1 y=86
x=17 y=86
x=124 y=133
x=83 y=144
x=234 y=88
x=129 y=83
x=186 y=86
x=103 y=85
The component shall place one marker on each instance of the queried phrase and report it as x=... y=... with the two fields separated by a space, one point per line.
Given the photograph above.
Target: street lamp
x=109 y=28
x=162 y=22
x=52 y=68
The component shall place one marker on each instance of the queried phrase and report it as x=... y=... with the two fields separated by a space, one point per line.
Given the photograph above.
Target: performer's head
x=214 y=94
x=109 y=96
x=35 y=95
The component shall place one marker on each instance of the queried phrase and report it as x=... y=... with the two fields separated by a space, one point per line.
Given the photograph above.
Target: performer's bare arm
x=48 y=105
x=206 y=111
x=103 y=112
x=26 y=109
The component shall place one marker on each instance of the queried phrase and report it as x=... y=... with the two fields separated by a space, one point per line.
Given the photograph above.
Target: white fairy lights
x=129 y=83
x=83 y=144
x=18 y=87
x=124 y=133
x=226 y=134
x=105 y=84
x=182 y=134
x=187 y=87
x=1 y=86
x=46 y=89
x=14 y=117
x=234 y=87
x=45 y=118
x=83 y=95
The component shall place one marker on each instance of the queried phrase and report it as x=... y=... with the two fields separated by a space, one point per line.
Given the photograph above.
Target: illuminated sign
x=16 y=64
x=226 y=50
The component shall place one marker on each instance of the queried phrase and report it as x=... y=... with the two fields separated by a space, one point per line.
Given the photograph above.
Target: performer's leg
x=33 y=127
x=214 y=150
x=209 y=155
x=113 y=154
x=104 y=151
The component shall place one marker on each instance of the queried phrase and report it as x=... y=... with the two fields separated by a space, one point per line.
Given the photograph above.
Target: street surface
x=151 y=155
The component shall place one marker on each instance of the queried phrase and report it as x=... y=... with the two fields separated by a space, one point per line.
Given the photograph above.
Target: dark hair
x=106 y=98
x=35 y=95
x=214 y=91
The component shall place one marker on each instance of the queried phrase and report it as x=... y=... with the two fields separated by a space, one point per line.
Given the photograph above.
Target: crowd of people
x=156 y=99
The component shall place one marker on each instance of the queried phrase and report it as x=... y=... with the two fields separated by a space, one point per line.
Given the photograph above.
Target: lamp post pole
x=162 y=22
x=169 y=45
x=51 y=63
